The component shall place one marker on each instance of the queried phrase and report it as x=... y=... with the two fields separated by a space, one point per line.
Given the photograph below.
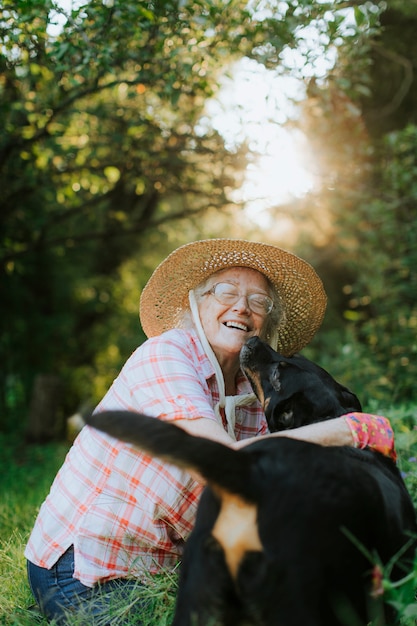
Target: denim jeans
x=61 y=597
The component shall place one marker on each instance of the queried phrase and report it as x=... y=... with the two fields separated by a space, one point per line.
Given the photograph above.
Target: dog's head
x=293 y=390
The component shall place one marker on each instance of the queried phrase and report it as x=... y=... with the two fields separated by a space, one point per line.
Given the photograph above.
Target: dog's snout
x=250 y=346
x=251 y=343
x=247 y=350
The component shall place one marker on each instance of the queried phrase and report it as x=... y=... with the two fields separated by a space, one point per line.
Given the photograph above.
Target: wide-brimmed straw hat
x=165 y=296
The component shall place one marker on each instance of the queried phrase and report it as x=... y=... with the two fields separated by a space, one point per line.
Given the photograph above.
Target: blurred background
x=131 y=127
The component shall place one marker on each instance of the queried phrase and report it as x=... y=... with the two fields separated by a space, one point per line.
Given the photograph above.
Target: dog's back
x=305 y=510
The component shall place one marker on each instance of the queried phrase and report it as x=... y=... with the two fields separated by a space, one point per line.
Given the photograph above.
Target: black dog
x=279 y=529
x=293 y=390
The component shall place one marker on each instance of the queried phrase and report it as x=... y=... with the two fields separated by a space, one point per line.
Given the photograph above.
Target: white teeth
x=237 y=325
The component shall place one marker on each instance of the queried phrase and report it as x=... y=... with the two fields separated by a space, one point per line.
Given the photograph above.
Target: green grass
x=26 y=473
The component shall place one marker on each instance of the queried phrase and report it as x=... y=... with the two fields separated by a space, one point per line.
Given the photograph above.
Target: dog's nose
x=251 y=343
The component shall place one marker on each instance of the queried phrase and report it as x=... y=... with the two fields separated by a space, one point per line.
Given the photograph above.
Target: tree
x=102 y=143
x=368 y=150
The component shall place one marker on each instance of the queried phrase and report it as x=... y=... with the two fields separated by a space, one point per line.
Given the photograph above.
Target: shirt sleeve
x=372 y=431
x=163 y=378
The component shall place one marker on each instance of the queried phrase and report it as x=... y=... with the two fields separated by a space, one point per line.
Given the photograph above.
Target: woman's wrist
x=372 y=431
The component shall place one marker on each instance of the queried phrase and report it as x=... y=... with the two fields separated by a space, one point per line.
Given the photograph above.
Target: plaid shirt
x=124 y=512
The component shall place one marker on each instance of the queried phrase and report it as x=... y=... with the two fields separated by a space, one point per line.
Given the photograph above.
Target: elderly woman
x=114 y=514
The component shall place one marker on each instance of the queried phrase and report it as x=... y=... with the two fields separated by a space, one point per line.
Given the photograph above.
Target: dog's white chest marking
x=236 y=529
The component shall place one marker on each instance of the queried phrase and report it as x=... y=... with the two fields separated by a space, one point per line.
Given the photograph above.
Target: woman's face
x=228 y=327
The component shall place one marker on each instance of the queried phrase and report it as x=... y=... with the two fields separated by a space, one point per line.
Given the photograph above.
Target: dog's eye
x=283 y=364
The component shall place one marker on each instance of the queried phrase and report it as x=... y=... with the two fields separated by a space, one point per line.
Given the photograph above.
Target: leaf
x=360 y=17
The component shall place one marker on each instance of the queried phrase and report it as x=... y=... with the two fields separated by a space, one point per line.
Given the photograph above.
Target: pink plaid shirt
x=124 y=512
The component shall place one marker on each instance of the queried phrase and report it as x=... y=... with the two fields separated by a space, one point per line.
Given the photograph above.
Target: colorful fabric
x=372 y=431
x=124 y=512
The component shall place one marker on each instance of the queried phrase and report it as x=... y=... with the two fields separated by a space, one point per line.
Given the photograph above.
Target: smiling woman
x=114 y=513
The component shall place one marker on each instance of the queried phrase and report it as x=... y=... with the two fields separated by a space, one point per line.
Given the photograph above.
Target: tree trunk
x=45 y=420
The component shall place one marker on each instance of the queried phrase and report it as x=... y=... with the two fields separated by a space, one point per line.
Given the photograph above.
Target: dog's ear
x=348 y=400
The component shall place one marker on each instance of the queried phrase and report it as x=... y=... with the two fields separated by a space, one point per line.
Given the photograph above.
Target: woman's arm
x=360 y=430
x=334 y=432
x=205 y=427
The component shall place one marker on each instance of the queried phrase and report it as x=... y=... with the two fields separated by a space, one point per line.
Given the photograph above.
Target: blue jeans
x=60 y=595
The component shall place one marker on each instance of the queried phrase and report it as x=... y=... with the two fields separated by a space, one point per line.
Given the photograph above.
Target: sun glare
x=279 y=175
x=254 y=105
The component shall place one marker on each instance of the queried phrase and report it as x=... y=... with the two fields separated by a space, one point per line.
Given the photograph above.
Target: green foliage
x=26 y=474
x=382 y=306
x=99 y=147
x=404 y=421
x=103 y=150
x=366 y=211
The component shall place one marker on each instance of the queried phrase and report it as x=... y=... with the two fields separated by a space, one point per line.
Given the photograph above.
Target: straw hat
x=301 y=291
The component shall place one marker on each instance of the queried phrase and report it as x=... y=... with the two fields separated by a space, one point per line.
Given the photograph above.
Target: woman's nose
x=242 y=304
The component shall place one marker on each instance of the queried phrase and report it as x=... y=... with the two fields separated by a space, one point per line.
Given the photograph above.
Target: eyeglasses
x=225 y=293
